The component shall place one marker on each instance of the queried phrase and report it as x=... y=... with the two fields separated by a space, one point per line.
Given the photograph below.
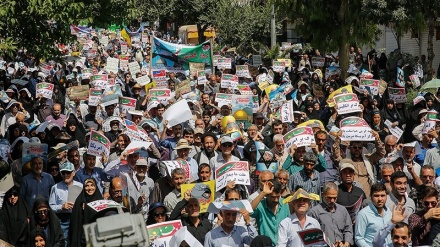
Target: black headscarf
x=82 y=214
x=14 y=220
x=79 y=133
x=54 y=235
x=37 y=232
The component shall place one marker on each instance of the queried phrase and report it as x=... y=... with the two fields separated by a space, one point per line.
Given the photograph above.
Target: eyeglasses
x=159 y=214
x=356 y=147
x=227 y=145
x=42 y=212
x=66 y=172
x=430 y=203
x=428 y=177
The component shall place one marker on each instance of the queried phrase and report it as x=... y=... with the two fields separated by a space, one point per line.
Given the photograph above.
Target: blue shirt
x=169 y=143
x=31 y=187
x=368 y=224
x=239 y=236
x=98 y=174
x=420 y=158
x=59 y=194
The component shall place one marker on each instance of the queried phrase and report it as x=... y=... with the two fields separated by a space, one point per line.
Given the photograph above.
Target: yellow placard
x=346 y=89
x=287 y=61
x=204 y=192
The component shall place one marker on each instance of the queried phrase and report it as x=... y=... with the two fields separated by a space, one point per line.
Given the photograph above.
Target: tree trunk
x=201 y=32
x=430 y=49
x=343 y=44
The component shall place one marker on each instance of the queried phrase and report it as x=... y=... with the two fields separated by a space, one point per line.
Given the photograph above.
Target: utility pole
x=273 y=35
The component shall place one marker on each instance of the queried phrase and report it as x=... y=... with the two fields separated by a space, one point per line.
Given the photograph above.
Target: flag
x=126 y=37
x=130 y=125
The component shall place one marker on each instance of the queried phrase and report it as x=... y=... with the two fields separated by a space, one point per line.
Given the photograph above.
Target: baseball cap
x=67 y=166
x=142 y=162
x=226 y=139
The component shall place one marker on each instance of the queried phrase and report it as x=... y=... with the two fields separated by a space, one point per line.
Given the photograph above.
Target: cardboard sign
x=194 y=67
x=397 y=94
x=278 y=66
x=133 y=132
x=224 y=63
x=183 y=87
x=204 y=192
x=301 y=136
x=237 y=171
x=201 y=78
x=242 y=109
x=80 y=92
x=173 y=164
x=242 y=71
x=370 y=85
x=430 y=121
x=287 y=112
x=245 y=90
x=112 y=65
x=127 y=104
x=134 y=68
x=95 y=96
x=98 y=144
x=355 y=129
x=99 y=81
x=160 y=77
x=347 y=103
x=229 y=81
x=143 y=80
x=160 y=234
x=177 y=113
x=382 y=86
x=32 y=150
x=223 y=99
x=318 y=61
x=162 y=95
x=395 y=131
x=45 y=89
x=101 y=205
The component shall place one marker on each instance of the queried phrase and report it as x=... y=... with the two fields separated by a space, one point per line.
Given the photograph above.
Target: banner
x=204 y=192
x=370 y=85
x=287 y=112
x=160 y=234
x=347 y=103
x=45 y=90
x=265 y=158
x=223 y=99
x=397 y=94
x=173 y=55
x=242 y=71
x=126 y=104
x=224 y=63
x=301 y=136
x=95 y=96
x=237 y=171
x=201 y=78
x=98 y=144
x=318 y=61
x=355 y=129
x=229 y=81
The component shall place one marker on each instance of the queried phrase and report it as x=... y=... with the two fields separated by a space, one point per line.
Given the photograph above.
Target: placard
x=123 y=62
x=318 y=61
x=160 y=77
x=160 y=234
x=415 y=80
x=265 y=159
x=143 y=80
x=133 y=132
x=245 y=90
x=287 y=112
x=45 y=89
x=33 y=149
x=397 y=94
x=347 y=103
x=224 y=63
x=80 y=92
x=237 y=171
x=242 y=109
x=95 y=97
x=256 y=60
x=99 y=81
x=163 y=95
x=173 y=164
x=242 y=71
x=134 y=68
x=430 y=121
x=223 y=99
x=395 y=131
x=314 y=237
x=301 y=136
x=177 y=113
x=112 y=65
x=201 y=78
x=256 y=104
x=127 y=104
x=98 y=144
x=183 y=87
x=203 y=192
x=235 y=205
x=194 y=67
x=355 y=129
x=287 y=61
x=229 y=81
x=124 y=48
x=373 y=85
x=278 y=66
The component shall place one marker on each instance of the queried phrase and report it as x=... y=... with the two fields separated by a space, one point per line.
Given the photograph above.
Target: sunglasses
x=42 y=212
x=227 y=145
x=66 y=172
x=161 y=214
x=233 y=199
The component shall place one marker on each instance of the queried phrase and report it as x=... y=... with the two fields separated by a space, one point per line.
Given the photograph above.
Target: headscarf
x=15 y=219
x=82 y=214
x=54 y=235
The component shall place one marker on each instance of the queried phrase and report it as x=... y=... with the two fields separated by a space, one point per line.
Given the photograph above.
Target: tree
x=331 y=25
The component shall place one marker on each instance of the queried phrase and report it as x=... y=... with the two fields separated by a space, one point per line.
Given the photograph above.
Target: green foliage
x=7 y=47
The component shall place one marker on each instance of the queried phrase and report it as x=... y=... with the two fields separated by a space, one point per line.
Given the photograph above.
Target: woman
x=157 y=213
x=311 y=112
x=81 y=213
x=26 y=100
x=122 y=142
x=38 y=239
x=45 y=219
x=390 y=113
x=9 y=118
x=368 y=105
x=75 y=130
x=14 y=226
x=378 y=125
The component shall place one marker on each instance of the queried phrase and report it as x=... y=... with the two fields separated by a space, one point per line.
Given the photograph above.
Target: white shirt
x=287 y=234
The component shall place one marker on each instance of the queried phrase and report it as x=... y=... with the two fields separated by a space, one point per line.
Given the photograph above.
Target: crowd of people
x=358 y=193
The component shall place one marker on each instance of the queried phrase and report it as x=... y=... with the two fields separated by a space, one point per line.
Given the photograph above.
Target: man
x=294 y=163
x=349 y=195
x=308 y=178
x=386 y=172
x=197 y=225
x=226 y=146
x=129 y=168
x=298 y=221
x=116 y=190
x=90 y=121
x=269 y=210
x=400 y=231
x=74 y=158
x=429 y=154
x=158 y=119
x=141 y=101
x=59 y=195
x=421 y=221
x=263 y=178
x=188 y=135
x=114 y=132
x=90 y=171
x=140 y=187
x=372 y=218
x=278 y=150
x=170 y=142
x=331 y=173
x=56 y=116
x=183 y=148
x=362 y=162
x=36 y=183
x=282 y=176
x=259 y=121
x=277 y=128
x=178 y=178
x=399 y=183
x=427 y=176
x=229 y=234
x=334 y=218
x=204 y=173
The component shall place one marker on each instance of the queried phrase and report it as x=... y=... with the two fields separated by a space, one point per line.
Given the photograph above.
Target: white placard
x=237 y=171
x=395 y=131
x=177 y=113
x=287 y=112
x=112 y=65
x=355 y=129
x=301 y=136
x=224 y=63
x=134 y=68
x=223 y=99
x=45 y=89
